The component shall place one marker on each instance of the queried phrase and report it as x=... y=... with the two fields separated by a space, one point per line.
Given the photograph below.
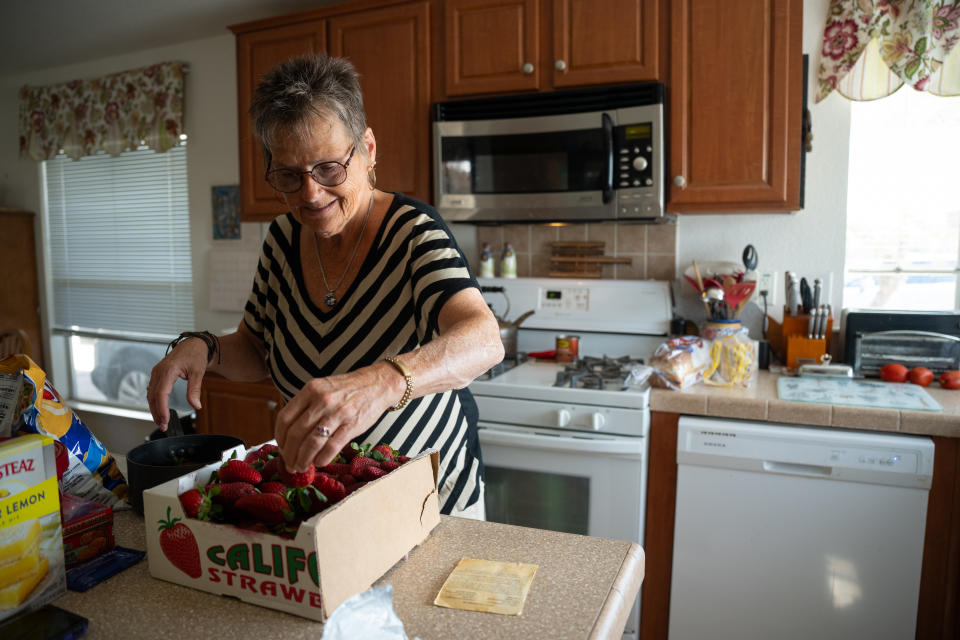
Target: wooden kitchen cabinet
x=735 y=101
x=938 y=611
x=246 y=410
x=19 y=291
x=498 y=46
x=390 y=47
x=388 y=42
x=257 y=52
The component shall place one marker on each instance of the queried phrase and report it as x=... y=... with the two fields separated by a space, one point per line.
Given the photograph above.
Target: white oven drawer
x=544 y=440
x=558 y=415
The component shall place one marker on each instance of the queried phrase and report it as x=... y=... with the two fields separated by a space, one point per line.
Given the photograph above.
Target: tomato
x=893 y=373
x=920 y=375
x=950 y=379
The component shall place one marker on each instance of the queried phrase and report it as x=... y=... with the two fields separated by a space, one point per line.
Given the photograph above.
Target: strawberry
x=383 y=452
x=329 y=486
x=349 y=452
x=269 y=508
x=389 y=465
x=403 y=459
x=347 y=479
x=230 y=492
x=372 y=473
x=297 y=478
x=353 y=487
x=357 y=465
x=309 y=500
x=179 y=546
x=335 y=469
x=273 y=486
x=264 y=453
x=272 y=468
x=197 y=503
x=239 y=471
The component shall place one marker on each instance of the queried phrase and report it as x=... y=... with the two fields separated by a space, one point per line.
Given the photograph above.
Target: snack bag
x=680 y=362
x=93 y=472
x=733 y=359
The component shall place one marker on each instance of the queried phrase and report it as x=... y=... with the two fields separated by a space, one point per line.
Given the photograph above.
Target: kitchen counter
x=584 y=588
x=760 y=403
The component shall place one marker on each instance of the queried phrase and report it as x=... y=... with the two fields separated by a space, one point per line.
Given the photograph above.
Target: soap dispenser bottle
x=508 y=264
x=486 y=261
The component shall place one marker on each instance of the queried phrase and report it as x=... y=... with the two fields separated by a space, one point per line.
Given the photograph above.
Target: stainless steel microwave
x=576 y=155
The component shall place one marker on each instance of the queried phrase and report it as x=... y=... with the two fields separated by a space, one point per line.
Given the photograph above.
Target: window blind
x=119 y=235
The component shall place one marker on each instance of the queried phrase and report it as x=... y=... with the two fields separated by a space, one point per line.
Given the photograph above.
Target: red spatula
x=737 y=294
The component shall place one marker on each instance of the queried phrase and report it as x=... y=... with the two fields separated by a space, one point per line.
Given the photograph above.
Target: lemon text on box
x=38 y=500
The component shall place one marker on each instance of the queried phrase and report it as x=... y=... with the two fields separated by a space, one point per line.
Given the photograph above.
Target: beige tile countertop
x=584 y=589
x=759 y=402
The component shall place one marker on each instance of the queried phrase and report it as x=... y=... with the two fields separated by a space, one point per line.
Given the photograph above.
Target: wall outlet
x=766 y=281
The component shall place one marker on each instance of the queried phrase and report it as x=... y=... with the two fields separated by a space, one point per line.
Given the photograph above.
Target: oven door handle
x=627 y=447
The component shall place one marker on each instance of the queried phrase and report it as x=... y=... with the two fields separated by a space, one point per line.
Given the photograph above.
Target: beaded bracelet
x=402 y=368
x=212 y=342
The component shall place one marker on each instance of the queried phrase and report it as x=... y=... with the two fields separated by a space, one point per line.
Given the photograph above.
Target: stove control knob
x=597 y=420
x=563 y=417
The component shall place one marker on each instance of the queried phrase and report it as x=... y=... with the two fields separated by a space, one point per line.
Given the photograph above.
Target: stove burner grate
x=597 y=373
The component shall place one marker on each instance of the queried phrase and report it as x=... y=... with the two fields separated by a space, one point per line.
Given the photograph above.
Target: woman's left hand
x=346 y=405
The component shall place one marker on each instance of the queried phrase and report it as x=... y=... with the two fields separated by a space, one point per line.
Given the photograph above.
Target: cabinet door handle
x=680 y=181
x=560 y=65
x=271 y=404
x=527 y=68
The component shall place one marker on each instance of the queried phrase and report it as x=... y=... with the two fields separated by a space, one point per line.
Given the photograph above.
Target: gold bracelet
x=402 y=368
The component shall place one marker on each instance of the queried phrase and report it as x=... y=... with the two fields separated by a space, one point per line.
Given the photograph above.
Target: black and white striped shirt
x=413 y=267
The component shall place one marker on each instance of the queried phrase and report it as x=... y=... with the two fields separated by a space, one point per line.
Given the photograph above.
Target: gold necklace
x=330 y=299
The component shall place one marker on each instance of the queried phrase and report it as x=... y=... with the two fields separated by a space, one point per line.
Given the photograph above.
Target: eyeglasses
x=326 y=174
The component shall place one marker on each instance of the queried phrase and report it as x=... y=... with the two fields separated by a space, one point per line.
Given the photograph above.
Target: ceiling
x=39 y=34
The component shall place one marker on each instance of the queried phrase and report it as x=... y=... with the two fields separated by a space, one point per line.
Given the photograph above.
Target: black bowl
x=157 y=461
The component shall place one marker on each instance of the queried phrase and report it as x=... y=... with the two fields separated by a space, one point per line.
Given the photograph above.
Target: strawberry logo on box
x=180 y=546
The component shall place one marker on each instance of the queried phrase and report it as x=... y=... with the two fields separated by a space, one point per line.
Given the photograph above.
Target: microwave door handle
x=608 y=151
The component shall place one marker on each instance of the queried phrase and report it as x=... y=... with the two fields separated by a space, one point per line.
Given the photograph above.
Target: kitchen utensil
x=738 y=293
x=157 y=461
x=806 y=295
x=817 y=291
x=749 y=260
x=711 y=270
x=508 y=333
x=700 y=289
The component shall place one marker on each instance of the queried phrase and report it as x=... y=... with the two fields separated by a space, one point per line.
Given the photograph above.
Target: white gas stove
x=564 y=444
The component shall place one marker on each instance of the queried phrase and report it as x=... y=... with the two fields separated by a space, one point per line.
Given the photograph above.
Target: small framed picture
x=226 y=212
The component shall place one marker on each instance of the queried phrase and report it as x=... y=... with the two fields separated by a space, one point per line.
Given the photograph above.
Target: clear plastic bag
x=733 y=358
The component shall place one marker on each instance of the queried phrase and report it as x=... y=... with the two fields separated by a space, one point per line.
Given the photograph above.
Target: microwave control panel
x=634 y=159
x=638 y=162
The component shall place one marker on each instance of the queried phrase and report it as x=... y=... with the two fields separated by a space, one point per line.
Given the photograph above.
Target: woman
x=363 y=310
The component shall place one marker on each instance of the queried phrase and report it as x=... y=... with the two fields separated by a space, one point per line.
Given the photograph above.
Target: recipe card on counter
x=484 y=585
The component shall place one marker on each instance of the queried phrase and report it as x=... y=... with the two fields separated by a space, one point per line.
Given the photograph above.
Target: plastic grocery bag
x=370 y=610
x=38 y=408
x=680 y=362
x=733 y=359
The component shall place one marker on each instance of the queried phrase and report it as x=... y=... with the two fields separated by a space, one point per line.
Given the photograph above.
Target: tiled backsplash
x=652 y=248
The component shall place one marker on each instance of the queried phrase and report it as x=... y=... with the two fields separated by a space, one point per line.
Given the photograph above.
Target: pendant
x=330 y=300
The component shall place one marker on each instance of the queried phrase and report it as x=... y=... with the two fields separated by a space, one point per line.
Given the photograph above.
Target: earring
x=372 y=175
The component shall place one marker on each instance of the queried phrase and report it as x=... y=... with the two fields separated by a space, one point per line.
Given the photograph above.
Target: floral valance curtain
x=872 y=47
x=113 y=113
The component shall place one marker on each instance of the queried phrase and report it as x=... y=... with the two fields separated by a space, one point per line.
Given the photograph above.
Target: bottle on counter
x=486 y=261
x=508 y=263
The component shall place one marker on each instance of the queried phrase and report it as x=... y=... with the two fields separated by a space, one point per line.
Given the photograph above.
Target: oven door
x=589 y=484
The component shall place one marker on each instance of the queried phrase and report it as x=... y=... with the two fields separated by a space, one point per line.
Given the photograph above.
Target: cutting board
x=856 y=393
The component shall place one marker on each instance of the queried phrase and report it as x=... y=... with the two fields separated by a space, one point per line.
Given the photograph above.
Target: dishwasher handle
x=797 y=469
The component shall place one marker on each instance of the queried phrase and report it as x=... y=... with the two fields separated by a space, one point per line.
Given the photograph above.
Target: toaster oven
x=874 y=338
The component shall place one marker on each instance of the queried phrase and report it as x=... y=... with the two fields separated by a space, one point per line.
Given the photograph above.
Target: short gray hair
x=295 y=92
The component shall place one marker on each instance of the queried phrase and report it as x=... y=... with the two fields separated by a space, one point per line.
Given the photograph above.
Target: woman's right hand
x=187 y=361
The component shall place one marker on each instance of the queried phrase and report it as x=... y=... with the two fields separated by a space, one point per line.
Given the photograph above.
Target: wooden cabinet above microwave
x=498 y=46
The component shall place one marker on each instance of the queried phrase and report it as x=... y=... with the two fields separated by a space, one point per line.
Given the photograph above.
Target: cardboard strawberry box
x=31 y=544
x=334 y=555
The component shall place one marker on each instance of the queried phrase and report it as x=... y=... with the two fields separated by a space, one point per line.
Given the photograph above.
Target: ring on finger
x=323 y=432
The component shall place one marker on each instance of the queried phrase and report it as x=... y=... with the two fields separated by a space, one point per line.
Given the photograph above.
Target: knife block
x=790 y=342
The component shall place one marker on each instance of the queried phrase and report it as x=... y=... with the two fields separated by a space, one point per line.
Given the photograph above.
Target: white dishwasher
x=797 y=532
